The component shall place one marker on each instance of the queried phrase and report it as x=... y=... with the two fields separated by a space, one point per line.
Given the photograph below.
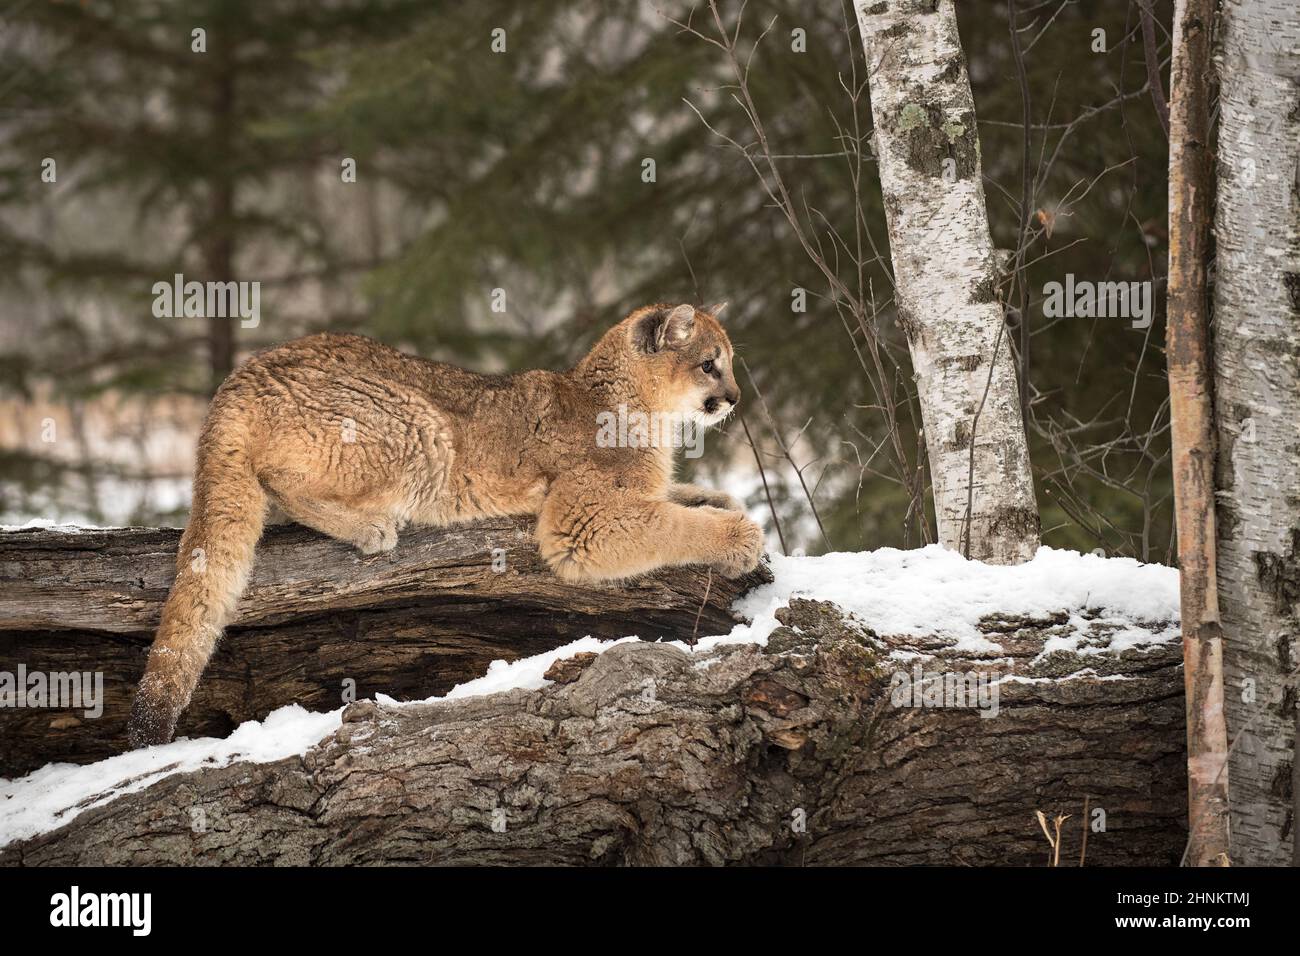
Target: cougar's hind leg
x=212 y=567
x=367 y=527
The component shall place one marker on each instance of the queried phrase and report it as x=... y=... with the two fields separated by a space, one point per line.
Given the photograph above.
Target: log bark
x=946 y=277
x=1257 y=391
x=410 y=623
x=790 y=754
x=1191 y=415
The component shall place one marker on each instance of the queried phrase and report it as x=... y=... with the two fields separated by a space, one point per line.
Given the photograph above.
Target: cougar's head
x=686 y=358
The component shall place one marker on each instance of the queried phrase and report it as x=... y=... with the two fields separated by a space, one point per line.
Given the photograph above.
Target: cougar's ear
x=664 y=329
x=715 y=310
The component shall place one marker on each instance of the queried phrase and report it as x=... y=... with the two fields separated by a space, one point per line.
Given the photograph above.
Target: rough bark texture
x=791 y=754
x=1191 y=413
x=946 y=276
x=410 y=623
x=1257 y=383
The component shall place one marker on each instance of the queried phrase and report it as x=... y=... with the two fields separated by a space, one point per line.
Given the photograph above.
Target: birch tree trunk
x=1191 y=414
x=1257 y=383
x=946 y=276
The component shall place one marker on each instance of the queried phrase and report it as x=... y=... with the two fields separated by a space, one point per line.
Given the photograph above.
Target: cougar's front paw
x=741 y=546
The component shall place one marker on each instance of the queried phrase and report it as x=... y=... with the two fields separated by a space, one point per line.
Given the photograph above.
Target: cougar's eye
x=707 y=366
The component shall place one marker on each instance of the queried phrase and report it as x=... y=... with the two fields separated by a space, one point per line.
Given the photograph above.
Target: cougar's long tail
x=216 y=555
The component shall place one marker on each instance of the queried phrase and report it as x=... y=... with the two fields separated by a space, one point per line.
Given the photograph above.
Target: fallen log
x=809 y=751
x=318 y=621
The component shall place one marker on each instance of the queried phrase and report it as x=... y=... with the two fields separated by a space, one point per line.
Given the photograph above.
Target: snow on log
x=318 y=619
x=882 y=708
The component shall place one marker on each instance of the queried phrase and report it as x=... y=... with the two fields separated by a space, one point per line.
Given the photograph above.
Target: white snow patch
x=930 y=591
x=934 y=591
x=524 y=673
x=58 y=792
x=1124 y=637
x=50 y=524
x=1087 y=672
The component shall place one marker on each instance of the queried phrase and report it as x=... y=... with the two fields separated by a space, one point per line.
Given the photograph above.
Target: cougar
x=357 y=440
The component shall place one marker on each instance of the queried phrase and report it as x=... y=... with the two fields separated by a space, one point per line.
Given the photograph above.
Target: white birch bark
x=946 y=274
x=1257 y=399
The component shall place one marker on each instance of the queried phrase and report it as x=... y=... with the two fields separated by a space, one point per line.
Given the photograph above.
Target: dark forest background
x=523 y=171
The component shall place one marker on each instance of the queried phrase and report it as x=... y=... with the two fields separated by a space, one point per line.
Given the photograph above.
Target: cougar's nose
x=733 y=396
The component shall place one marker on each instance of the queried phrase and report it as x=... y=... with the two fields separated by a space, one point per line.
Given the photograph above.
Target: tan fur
x=357 y=440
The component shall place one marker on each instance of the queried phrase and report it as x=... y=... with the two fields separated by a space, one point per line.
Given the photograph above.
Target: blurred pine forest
x=522 y=171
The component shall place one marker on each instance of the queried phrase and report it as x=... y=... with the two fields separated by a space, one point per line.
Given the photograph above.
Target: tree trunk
x=1191 y=416
x=317 y=619
x=790 y=754
x=946 y=277
x=1257 y=385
